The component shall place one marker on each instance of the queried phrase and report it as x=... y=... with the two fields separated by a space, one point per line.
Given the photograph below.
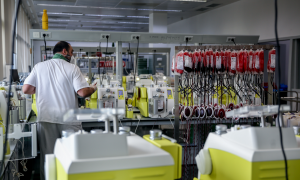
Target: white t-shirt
x=56 y=82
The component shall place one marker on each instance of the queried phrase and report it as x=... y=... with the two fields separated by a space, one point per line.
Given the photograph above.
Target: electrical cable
x=45 y=46
x=278 y=91
x=233 y=41
x=9 y=89
x=137 y=55
x=103 y=72
x=99 y=60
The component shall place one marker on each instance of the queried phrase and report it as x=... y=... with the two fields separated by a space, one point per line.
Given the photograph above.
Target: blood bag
x=232 y=62
x=211 y=60
x=209 y=112
x=202 y=112
x=218 y=61
x=195 y=58
x=227 y=54
x=206 y=60
x=230 y=106
x=223 y=63
x=188 y=63
x=272 y=60
x=256 y=63
x=250 y=61
x=221 y=113
x=245 y=57
x=173 y=64
x=202 y=64
x=216 y=110
x=179 y=63
x=187 y=112
x=240 y=62
x=261 y=61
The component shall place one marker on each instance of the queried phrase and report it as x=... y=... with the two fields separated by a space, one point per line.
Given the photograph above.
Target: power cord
x=44 y=35
x=186 y=41
x=9 y=89
x=278 y=91
x=233 y=41
x=137 y=55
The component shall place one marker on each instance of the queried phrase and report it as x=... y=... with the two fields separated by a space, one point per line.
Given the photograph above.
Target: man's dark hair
x=60 y=46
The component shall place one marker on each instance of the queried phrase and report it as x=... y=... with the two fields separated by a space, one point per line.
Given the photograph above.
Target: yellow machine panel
x=124 y=83
x=173 y=148
x=33 y=106
x=93 y=101
x=157 y=173
x=143 y=102
x=227 y=166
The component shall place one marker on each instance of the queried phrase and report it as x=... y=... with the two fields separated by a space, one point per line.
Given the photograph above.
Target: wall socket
x=48 y=34
x=134 y=36
x=36 y=35
x=230 y=39
x=103 y=36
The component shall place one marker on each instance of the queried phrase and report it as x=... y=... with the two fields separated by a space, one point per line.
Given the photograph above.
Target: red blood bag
x=188 y=63
x=211 y=60
x=250 y=61
x=256 y=63
x=240 y=62
x=173 y=64
x=195 y=61
x=223 y=63
x=198 y=54
x=206 y=60
x=232 y=62
x=272 y=60
x=227 y=54
x=202 y=64
x=179 y=63
x=218 y=61
x=245 y=61
x=261 y=61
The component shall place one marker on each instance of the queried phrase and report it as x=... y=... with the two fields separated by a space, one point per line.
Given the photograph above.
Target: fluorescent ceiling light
x=132 y=23
x=113 y=27
x=95 y=7
x=63 y=20
x=113 y=22
x=191 y=0
x=165 y=10
x=28 y=4
x=64 y=25
x=30 y=10
x=57 y=13
x=102 y=15
x=146 y=17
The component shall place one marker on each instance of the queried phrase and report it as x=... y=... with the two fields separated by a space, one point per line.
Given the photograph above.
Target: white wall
x=37 y=47
x=245 y=17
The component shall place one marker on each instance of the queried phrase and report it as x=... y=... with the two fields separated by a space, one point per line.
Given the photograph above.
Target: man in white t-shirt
x=55 y=83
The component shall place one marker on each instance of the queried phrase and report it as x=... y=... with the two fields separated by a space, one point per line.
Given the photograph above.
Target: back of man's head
x=60 y=46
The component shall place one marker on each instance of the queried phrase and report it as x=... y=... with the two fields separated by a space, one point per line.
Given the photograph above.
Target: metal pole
x=176 y=106
x=90 y=68
x=168 y=64
x=119 y=61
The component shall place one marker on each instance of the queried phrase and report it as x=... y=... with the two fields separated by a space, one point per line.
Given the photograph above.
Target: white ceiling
x=113 y=15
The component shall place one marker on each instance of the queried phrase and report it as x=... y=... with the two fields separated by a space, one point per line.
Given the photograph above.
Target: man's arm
x=28 y=89
x=86 y=92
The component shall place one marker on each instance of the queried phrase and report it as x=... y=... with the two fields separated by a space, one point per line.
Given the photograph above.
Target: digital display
x=120 y=93
x=169 y=93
